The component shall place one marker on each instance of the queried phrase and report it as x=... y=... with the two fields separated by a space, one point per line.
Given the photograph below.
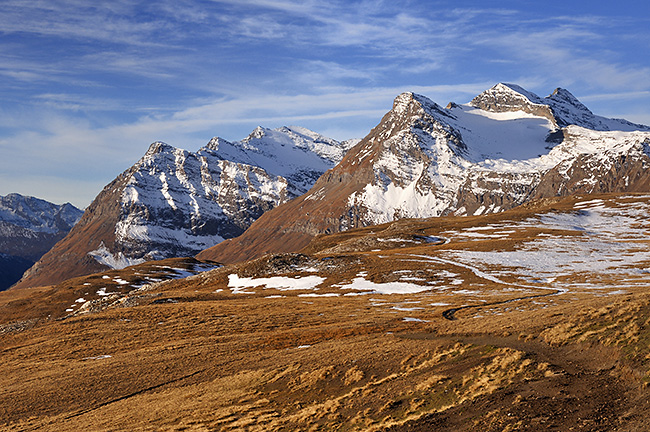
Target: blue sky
x=86 y=86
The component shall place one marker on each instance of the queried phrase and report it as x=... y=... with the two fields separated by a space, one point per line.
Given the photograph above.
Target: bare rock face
x=29 y=227
x=596 y=173
x=504 y=148
x=175 y=203
x=511 y=98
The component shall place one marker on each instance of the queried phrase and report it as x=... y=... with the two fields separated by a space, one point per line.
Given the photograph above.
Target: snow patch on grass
x=114 y=261
x=409 y=319
x=99 y=357
x=275 y=282
x=362 y=284
x=102 y=292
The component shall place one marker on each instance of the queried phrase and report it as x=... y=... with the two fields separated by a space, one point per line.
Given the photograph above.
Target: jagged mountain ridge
x=29 y=227
x=505 y=147
x=174 y=202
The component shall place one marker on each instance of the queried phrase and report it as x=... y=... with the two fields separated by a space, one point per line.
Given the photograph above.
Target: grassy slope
x=192 y=355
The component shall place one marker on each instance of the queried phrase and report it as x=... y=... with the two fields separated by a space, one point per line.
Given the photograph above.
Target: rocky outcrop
x=509 y=98
x=560 y=107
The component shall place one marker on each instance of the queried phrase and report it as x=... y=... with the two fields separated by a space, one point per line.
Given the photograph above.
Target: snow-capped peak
x=509 y=98
x=216 y=143
x=159 y=147
x=560 y=107
x=295 y=153
x=402 y=102
x=429 y=160
x=561 y=95
x=176 y=202
x=413 y=103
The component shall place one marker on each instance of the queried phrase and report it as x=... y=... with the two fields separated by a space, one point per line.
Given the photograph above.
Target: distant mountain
x=504 y=148
x=29 y=227
x=174 y=202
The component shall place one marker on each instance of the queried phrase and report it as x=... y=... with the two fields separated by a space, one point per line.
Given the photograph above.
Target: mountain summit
x=505 y=147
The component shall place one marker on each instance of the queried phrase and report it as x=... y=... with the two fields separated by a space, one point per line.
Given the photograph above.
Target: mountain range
x=496 y=280
x=505 y=147
x=173 y=202
x=276 y=189
x=29 y=227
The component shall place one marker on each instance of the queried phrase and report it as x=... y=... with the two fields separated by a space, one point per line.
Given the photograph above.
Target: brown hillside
x=531 y=319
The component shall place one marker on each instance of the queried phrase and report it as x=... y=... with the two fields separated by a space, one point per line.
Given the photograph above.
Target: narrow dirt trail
x=450 y=313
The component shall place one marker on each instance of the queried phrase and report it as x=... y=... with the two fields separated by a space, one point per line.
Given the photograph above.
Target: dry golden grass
x=198 y=354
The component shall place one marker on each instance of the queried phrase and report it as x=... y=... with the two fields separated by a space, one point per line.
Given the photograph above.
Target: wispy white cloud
x=78 y=102
x=570 y=54
x=71 y=19
x=407 y=40
x=334 y=103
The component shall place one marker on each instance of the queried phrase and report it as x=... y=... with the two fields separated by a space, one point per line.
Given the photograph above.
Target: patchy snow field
x=593 y=247
x=592 y=244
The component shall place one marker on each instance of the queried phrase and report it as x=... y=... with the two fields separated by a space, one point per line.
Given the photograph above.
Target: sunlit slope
x=533 y=317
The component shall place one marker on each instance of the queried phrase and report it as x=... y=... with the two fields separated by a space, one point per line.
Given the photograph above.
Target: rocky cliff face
x=505 y=147
x=29 y=227
x=174 y=202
